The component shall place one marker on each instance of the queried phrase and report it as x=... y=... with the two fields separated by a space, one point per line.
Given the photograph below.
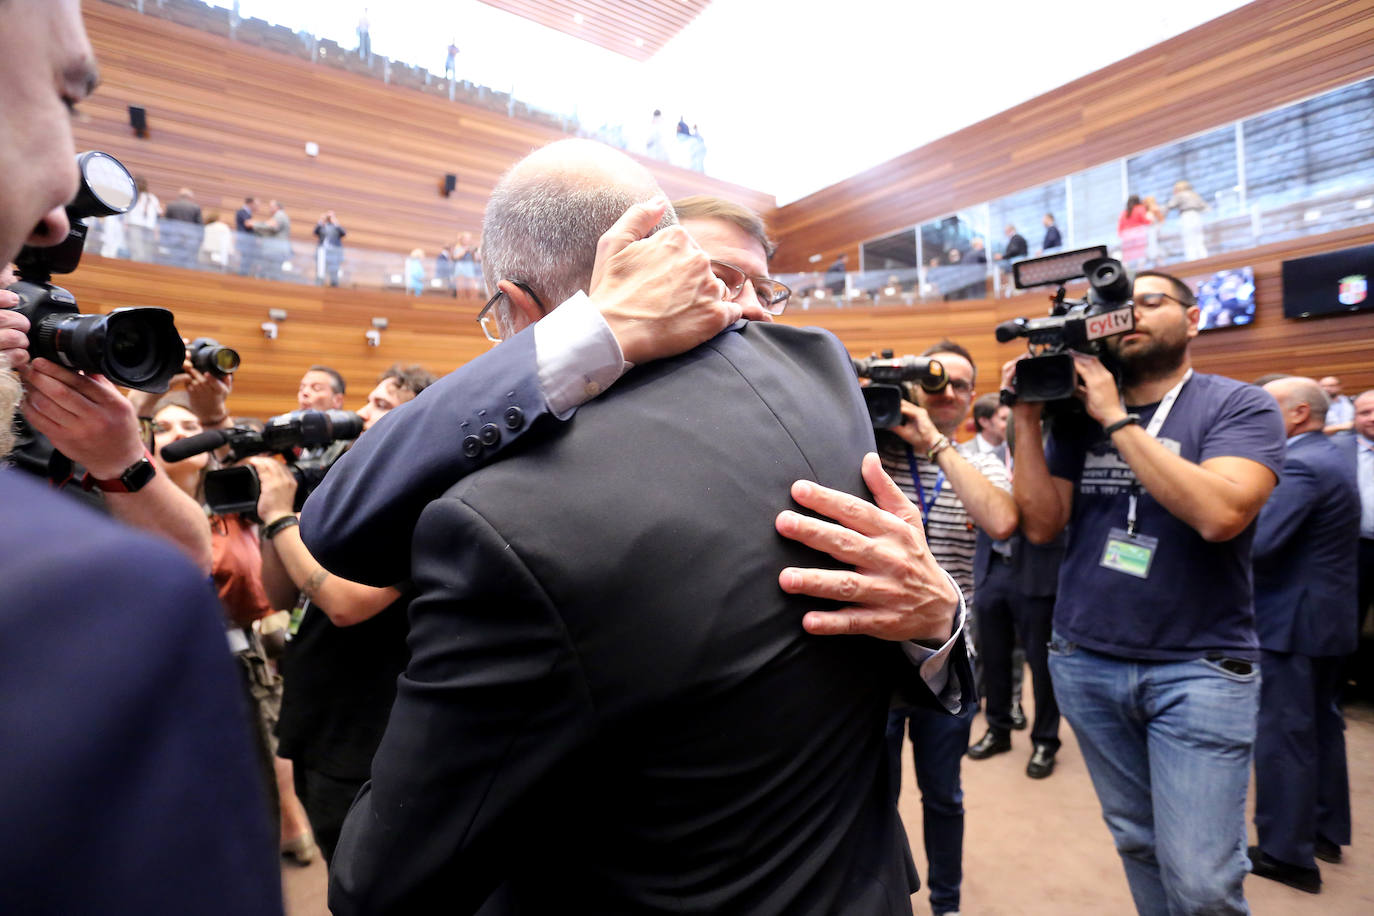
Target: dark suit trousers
x=1002 y=613
x=1302 y=790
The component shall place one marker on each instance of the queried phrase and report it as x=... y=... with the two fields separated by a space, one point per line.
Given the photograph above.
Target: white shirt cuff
x=934 y=662
x=577 y=355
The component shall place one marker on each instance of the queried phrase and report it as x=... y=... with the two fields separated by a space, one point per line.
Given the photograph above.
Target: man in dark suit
x=1052 y=238
x=1304 y=558
x=631 y=716
x=123 y=735
x=245 y=239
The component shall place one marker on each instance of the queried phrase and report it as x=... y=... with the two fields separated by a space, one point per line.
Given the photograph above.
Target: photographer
x=118 y=688
x=955 y=492
x=1154 y=650
x=347 y=640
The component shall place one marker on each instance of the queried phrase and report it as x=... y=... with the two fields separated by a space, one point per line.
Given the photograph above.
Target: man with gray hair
x=1304 y=561
x=610 y=701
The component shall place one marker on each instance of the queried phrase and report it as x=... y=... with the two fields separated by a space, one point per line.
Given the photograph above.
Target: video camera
x=889 y=375
x=135 y=347
x=236 y=489
x=1082 y=325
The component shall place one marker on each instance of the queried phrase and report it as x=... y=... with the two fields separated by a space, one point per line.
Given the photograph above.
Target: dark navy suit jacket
x=1035 y=566
x=1305 y=553
x=127 y=784
x=358 y=524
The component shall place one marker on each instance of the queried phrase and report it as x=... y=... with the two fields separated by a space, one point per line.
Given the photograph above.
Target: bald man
x=1304 y=560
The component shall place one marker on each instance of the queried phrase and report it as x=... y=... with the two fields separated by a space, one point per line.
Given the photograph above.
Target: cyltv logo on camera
x=1117 y=321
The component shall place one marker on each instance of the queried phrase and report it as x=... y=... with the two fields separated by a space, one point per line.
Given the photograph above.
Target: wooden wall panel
x=227 y=119
x=1256 y=58
x=1340 y=345
x=327 y=326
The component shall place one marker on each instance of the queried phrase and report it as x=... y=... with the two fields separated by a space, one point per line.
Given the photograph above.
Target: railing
x=219 y=249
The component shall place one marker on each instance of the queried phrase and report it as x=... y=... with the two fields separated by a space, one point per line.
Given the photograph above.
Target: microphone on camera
x=182 y=449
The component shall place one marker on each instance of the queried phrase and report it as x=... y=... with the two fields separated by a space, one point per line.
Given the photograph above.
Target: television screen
x=1337 y=281
x=1226 y=298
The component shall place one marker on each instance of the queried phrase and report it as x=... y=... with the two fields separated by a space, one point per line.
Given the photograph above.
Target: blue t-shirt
x=1198 y=599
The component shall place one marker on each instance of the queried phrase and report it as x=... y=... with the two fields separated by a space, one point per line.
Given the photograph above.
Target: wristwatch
x=940 y=445
x=134 y=478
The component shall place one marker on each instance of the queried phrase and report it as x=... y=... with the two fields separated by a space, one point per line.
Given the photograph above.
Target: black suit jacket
x=124 y=735
x=1035 y=566
x=1306 y=552
x=610 y=703
x=1016 y=247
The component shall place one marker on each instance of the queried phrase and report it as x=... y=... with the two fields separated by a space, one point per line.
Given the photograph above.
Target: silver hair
x=11 y=393
x=542 y=229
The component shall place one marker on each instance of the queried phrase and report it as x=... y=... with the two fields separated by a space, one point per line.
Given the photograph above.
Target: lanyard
x=1156 y=424
x=920 y=490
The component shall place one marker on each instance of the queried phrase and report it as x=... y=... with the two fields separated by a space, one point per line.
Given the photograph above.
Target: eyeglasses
x=772 y=294
x=488 y=320
x=960 y=385
x=1155 y=300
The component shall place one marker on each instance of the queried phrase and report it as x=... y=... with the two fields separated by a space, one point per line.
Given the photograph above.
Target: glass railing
x=217 y=248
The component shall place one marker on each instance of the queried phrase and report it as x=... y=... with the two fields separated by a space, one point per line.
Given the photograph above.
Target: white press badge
x=1127 y=550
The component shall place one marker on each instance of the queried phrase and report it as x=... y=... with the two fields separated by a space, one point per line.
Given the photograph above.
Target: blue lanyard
x=920 y=490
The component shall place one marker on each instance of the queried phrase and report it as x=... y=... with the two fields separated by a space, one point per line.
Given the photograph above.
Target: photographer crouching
x=1154 y=654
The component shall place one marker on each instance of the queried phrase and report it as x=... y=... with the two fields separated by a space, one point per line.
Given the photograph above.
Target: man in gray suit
x=610 y=701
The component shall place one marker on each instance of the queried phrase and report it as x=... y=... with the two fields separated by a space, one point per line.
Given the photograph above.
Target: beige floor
x=1040 y=847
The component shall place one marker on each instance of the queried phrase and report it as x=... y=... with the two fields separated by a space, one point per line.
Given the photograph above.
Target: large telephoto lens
x=137 y=348
x=211 y=357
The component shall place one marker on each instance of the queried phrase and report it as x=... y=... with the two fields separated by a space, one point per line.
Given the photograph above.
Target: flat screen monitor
x=1325 y=284
x=1225 y=298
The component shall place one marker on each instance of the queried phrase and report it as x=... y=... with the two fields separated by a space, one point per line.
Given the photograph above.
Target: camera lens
x=137 y=348
x=209 y=356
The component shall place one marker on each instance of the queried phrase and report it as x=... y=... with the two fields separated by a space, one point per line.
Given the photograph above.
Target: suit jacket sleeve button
x=472 y=446
x=514 y=417
x=489 y=434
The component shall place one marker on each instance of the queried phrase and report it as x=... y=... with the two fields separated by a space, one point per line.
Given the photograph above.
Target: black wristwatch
x=134 y=478
x=1129 y=420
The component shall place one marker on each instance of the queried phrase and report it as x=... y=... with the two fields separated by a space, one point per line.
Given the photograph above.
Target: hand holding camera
x=14 y=331
x=85 y=416
x=917 y=429
x=276 y=488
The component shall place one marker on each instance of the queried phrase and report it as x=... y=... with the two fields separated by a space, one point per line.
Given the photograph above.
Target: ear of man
x=522 y=301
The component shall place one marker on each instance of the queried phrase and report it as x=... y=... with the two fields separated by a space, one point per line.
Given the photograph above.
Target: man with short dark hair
x=1341 y=414
x=244 y=238
x=1304 y=557
x=1052 y=238
x=181 y=228
x=956 y=492
x=1163 y=487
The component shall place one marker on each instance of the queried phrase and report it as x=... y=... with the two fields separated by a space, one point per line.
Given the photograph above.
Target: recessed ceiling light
x=579 y=18
x=639 y=42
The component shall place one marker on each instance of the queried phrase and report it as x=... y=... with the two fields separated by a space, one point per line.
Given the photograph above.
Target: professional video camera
x=135 y=347
x=1049 y=374
x=889 y=374
x=236 y=489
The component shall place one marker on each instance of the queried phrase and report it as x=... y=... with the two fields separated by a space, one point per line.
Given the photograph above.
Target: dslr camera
x=1083 y=324
x=889 y=376
x=134 y=347
x=235 y=490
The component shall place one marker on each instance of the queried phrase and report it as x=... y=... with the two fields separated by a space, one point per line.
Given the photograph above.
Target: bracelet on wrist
x=277 y=527
x=940 y=445
x=1129 y=420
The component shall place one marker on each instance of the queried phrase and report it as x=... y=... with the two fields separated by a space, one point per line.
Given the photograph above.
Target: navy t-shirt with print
x=1198 y=599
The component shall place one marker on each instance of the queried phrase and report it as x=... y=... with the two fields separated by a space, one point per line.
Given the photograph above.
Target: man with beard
x=1154 y=654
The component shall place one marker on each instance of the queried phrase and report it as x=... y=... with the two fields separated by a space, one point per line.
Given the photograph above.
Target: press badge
x=1129 y=553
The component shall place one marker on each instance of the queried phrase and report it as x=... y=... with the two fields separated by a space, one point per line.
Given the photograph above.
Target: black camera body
x=889 y=376
x=1081 y=325
x=236 y=489
x=135 y=347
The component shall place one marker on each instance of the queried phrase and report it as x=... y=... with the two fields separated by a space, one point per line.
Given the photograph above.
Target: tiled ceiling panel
x=635 y=28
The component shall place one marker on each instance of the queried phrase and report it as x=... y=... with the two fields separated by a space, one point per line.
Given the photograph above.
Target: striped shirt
x=950 y=533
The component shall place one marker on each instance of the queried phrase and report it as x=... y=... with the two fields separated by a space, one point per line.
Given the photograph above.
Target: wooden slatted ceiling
x=1259 y=57
x=327 y=326
x=611 y=24
x=227 y=119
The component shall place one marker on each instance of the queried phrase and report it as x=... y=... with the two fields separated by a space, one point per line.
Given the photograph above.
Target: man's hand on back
x=896 y=590
x=657 y=292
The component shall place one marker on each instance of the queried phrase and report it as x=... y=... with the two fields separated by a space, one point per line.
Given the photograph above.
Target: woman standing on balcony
x=1132 y=226
x=1189 y=205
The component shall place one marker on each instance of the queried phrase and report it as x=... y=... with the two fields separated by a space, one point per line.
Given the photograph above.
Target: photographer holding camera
x=347 y=641
x=1154 y=650
x=129 y=736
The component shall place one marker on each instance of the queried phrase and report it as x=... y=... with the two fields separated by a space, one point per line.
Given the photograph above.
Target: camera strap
x=1155 y=425
x=920 y=490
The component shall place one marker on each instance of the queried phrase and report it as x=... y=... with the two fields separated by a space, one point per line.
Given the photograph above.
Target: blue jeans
x=938 y=742
x=1168 y=746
